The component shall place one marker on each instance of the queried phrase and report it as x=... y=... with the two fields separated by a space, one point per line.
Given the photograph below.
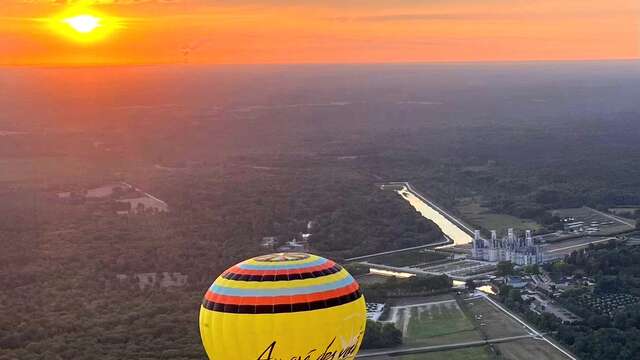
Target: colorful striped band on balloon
x=277 y=283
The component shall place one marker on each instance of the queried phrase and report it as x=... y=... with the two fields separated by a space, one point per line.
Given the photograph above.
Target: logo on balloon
x=330 y=352
x=280 y=257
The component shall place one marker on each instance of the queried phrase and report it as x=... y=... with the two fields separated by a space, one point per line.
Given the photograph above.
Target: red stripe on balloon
x=237 y=270
x=275 y=300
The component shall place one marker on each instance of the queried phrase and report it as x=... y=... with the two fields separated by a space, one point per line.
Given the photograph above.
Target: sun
x=83 y=23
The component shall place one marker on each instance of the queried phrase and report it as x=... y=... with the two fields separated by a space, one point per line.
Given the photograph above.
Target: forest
x=69 y=270
x=531 y=170
x=62 y=261
x=602 y=336
x=264 y=153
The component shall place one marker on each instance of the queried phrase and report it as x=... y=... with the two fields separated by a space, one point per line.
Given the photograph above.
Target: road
x=445 y=242
x=581 y=245
x=424 y=349
x=147 y=194
x=614 y=218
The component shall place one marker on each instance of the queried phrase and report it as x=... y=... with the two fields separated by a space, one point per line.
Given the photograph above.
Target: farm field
x=493 y=322
x=473 y=212
x=408 y=258
x=443 y=320
x=497 y=324
x=447 y=322
x=472 y=353
x=370 y=279
x=529 y=349
x=460 y=268
x=434 y=323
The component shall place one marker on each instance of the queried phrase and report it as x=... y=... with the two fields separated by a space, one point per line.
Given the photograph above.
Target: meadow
x=472 y=353
x=435 y=323
x=473 y=212
x=409 y=258
x=494 y=324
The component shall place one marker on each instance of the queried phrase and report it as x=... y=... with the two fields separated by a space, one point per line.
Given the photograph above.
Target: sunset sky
x=322 y=31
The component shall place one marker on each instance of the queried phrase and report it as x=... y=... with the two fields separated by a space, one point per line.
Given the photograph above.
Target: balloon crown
x=281 y=282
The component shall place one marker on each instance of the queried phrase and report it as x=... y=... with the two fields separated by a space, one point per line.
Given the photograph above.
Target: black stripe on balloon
x=282 y=277
x=281 y=308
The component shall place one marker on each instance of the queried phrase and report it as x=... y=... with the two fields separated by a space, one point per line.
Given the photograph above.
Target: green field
x=493 y=322
x=473 y=212
x=434 y=324
x=529 y=349
x=497 y=324
x=448 y=322
x=472 y=353
x=408 y=258
x=436 y=321
x=370 y=279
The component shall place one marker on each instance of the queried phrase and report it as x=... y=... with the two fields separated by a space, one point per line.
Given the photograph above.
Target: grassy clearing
x=437 y=320
x=473 y=212
x=448 y=323
x=472 y=353
x=370 y=279
x=434 y=324
x=497 y=324
x=493 y=322
x=529 y=349
x=408 y=258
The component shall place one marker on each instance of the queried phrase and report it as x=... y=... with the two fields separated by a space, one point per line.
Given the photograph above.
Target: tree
x=532 y=269
x=357 y=269
x=378 y=335
x=392 y=334
x=504 y=268
x=470 y=284
x=559 y=267
x=515 y=295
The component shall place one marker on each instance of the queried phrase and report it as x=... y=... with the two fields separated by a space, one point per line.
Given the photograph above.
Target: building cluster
x=119 y=197
x=151 y=280
x=518 y=250
x=299 y=243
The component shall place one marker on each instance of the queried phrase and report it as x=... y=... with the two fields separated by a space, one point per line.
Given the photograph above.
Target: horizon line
x=427 y=62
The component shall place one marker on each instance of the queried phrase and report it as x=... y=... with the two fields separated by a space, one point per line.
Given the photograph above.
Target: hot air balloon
x=283 y=306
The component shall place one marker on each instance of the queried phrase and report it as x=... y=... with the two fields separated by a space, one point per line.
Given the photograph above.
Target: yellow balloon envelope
x=283 y=307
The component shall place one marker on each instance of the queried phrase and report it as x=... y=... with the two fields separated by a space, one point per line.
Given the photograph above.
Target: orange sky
x=326 y=31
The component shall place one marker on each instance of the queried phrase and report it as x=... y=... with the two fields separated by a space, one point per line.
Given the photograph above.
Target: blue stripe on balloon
x=282 y=266
x=222 y=290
